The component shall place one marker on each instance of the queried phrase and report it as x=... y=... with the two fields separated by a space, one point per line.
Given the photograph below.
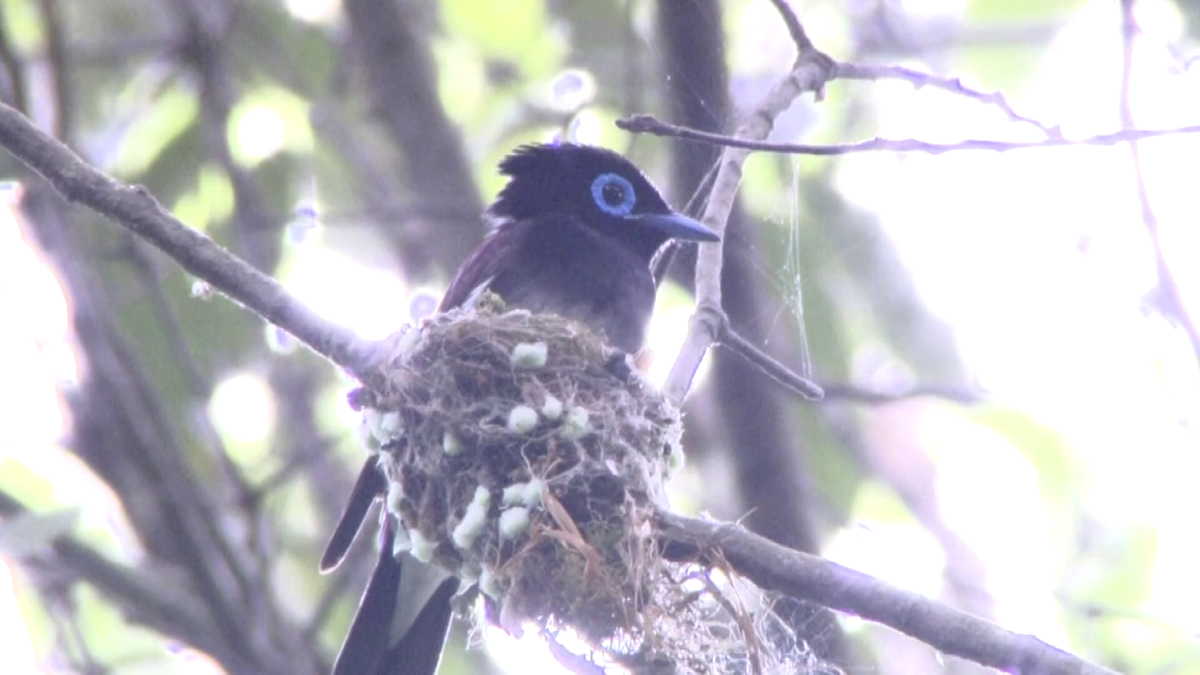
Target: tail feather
x=420 y=650
x=367 y=640
x=402 y=619
x=370 y=485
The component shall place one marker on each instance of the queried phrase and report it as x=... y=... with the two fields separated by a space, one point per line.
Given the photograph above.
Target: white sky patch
x=529 y=653
x=243 y=408
x=935 y=7
x=258 y=134
x=585 y=128
x=313 y=11
x=32 y=299
x=902 y=554
x=372 y=302
x=1174 y=593
x=989 y=495
x=1038 y=258
x=28 y=290
x=1159 y=19
x=668 y=329
x=14 y=636
x=1040 y=261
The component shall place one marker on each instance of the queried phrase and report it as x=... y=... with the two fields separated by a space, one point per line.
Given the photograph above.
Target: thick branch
x=136 y=210
x=776 y=568
x=771 y=566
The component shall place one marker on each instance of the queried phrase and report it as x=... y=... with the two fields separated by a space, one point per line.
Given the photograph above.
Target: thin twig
x=794 y=27
x=741 y=617
x=953 y=85
x=648 y=124
x=810 y=73
x=1167 y=283
x=845 y=392
x=731 y=340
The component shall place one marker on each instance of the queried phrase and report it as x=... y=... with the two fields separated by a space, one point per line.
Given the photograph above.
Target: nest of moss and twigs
x=525 y=455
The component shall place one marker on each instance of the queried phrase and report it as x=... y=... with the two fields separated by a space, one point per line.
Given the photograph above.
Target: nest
x=526 y=456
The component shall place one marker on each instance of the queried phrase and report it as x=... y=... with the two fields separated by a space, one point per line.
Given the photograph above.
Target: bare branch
x=794 y=27
x=954 y=85
x=136 y=210
x=842 y=391
x=812 y=70
x=770 y=367
x=1168 y=285
x=800 y=575
x=648 y=124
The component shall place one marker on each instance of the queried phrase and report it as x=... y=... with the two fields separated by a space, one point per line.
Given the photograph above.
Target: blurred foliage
x=507 y=72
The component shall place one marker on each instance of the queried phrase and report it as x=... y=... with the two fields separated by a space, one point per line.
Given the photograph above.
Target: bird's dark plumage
x=575 y=230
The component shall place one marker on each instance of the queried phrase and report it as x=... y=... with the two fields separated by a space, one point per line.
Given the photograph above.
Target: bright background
x=1066 y=495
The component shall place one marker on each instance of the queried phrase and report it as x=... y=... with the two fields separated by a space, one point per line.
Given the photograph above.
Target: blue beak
x=676 y=226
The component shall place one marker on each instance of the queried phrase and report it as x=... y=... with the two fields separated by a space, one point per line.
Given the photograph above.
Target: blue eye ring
x=628 y=196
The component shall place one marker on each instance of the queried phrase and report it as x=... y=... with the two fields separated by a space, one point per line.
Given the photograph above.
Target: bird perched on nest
x=576 y=228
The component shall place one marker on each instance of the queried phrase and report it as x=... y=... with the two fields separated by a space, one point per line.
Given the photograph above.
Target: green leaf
x=984 y=11
x=155 y=129
x=1044 y=446
x=512 y=29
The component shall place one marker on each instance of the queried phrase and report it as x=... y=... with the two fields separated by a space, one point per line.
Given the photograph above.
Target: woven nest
x=525 y=455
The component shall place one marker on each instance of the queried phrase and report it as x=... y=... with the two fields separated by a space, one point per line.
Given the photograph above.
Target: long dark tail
x=382 y=641
x=372 y=647
x=370 y=485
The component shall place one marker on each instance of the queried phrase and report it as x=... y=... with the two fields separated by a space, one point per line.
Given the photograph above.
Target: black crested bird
x=576 y=228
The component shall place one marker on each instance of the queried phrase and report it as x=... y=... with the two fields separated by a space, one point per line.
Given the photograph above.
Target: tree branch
x=810 y=73
x=648 y=124
x=135 y=209
x=842 y=391
x=771 y=566
x=953 y=85
x=800 y=575
x=1168 y=285
x=771 y=367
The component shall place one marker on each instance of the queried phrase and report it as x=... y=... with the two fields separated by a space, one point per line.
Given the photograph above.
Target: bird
x=575 y=230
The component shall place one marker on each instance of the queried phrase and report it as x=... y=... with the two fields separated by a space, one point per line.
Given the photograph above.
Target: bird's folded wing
x=492 y=257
